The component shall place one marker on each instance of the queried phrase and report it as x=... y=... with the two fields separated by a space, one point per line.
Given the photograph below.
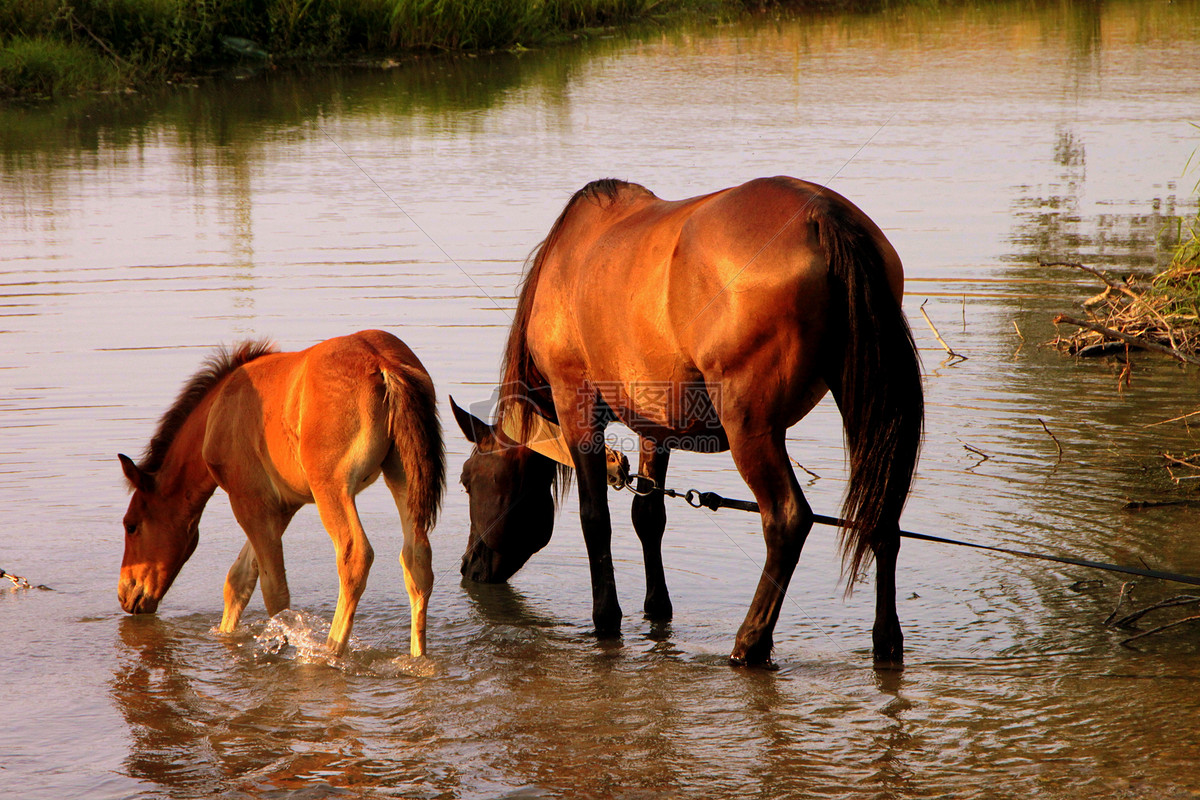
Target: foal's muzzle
x=134 y=599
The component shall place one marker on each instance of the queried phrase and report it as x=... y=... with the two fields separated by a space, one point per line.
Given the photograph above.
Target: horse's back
x=285 y=420
x=731 y=283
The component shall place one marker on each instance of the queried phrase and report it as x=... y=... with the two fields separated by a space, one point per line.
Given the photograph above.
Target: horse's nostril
x=134 y=600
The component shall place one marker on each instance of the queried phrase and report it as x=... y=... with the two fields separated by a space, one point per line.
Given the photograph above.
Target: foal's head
x=161 y=531
x=511 y=490
x=171 y=486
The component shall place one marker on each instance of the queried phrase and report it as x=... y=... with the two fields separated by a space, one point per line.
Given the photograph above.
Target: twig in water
x=1129 y=620
x=982 y=455
x=1161 y=628
x=1055 y=438
x=1172 y=419
x=941 y=341
x=1018 y=329
x=1126 y=592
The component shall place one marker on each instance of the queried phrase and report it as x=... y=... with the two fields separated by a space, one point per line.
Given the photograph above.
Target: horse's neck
x=184 y=470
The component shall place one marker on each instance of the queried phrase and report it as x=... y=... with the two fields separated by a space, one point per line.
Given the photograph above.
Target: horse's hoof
x=742 y=663
x=608 y=632
x=893 y=664
x=658 y=611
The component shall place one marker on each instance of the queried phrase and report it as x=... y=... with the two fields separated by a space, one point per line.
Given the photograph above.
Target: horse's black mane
x=604 y=187
x=217 y=366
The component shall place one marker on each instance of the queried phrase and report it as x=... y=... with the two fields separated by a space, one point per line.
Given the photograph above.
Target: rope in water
x=714 y=502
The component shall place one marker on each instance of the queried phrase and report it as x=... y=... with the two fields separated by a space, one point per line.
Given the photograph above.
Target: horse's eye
x=130 y=528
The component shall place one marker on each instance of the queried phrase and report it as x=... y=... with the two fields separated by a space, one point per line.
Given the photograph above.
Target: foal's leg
x=264 y=525
x=650 y=520
x=354 y=557
x=763 y=462
x=239 y=586
x=416 y=557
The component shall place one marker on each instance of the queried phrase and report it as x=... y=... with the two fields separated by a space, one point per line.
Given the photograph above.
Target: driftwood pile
x=1159 y=314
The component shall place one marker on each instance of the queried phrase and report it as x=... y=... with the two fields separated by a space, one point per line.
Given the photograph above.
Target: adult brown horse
x=704 y=324
x=277 y=431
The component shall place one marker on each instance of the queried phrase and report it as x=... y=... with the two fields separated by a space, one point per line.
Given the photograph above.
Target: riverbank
x=55 y=48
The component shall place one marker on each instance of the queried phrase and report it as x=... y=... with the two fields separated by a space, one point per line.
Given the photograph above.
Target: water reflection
x=233 y=725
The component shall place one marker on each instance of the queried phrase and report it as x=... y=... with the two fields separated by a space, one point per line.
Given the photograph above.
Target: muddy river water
x=137 y=233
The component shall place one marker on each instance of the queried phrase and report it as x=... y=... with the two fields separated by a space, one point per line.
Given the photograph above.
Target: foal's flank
x=277 y=431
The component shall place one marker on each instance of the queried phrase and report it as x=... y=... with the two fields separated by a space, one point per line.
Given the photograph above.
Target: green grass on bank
x=55 y=47
x=1179 y=284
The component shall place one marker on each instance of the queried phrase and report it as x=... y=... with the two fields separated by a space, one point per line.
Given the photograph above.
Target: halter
x=545 y=438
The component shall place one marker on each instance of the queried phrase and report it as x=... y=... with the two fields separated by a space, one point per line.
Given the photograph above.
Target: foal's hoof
x=755 y=656
x=768 y=665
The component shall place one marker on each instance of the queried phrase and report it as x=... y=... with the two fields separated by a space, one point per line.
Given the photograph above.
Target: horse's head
x=161 y=531
x=511 y=499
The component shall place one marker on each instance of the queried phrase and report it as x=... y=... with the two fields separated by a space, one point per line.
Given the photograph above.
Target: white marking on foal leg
x=239 y=586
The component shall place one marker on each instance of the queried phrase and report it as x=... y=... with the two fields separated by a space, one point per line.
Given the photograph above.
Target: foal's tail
x=878 y=388
x=417 y=437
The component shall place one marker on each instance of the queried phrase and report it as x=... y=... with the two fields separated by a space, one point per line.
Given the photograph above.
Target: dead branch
x=1126 y=592
x=1161 y=628
x=1129 y=620
x=1136 y=341
x=1055 y=438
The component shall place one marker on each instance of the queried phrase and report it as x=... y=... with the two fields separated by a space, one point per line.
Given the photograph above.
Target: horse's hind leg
x=887 y=637
x=239 y=586
x=763 y=462
x=416 y=557
x=354 y=558
x=650 y=520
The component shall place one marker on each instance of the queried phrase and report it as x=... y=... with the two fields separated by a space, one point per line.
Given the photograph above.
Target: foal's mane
x=216 y=367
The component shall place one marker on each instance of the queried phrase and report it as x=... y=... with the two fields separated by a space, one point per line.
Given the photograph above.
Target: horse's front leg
x=585 y=439
x=264 y=524
x=239 y=586
x=649 y=514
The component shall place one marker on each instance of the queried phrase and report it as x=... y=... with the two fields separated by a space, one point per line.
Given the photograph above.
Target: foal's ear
x=476 y=430
x=134 y=474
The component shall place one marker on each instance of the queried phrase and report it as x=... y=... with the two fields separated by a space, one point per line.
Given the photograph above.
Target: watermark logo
x=694 y=408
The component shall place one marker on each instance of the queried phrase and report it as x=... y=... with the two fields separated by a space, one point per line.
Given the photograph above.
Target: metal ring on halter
x=636 y=476
x=692 y=496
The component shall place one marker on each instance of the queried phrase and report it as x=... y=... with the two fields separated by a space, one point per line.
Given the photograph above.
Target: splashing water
x=298 y=636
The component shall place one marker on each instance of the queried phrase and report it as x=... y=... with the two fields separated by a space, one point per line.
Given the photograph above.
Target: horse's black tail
x=417 y=437
x=877 y=386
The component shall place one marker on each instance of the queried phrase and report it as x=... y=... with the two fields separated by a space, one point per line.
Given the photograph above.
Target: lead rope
x=713 y=502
